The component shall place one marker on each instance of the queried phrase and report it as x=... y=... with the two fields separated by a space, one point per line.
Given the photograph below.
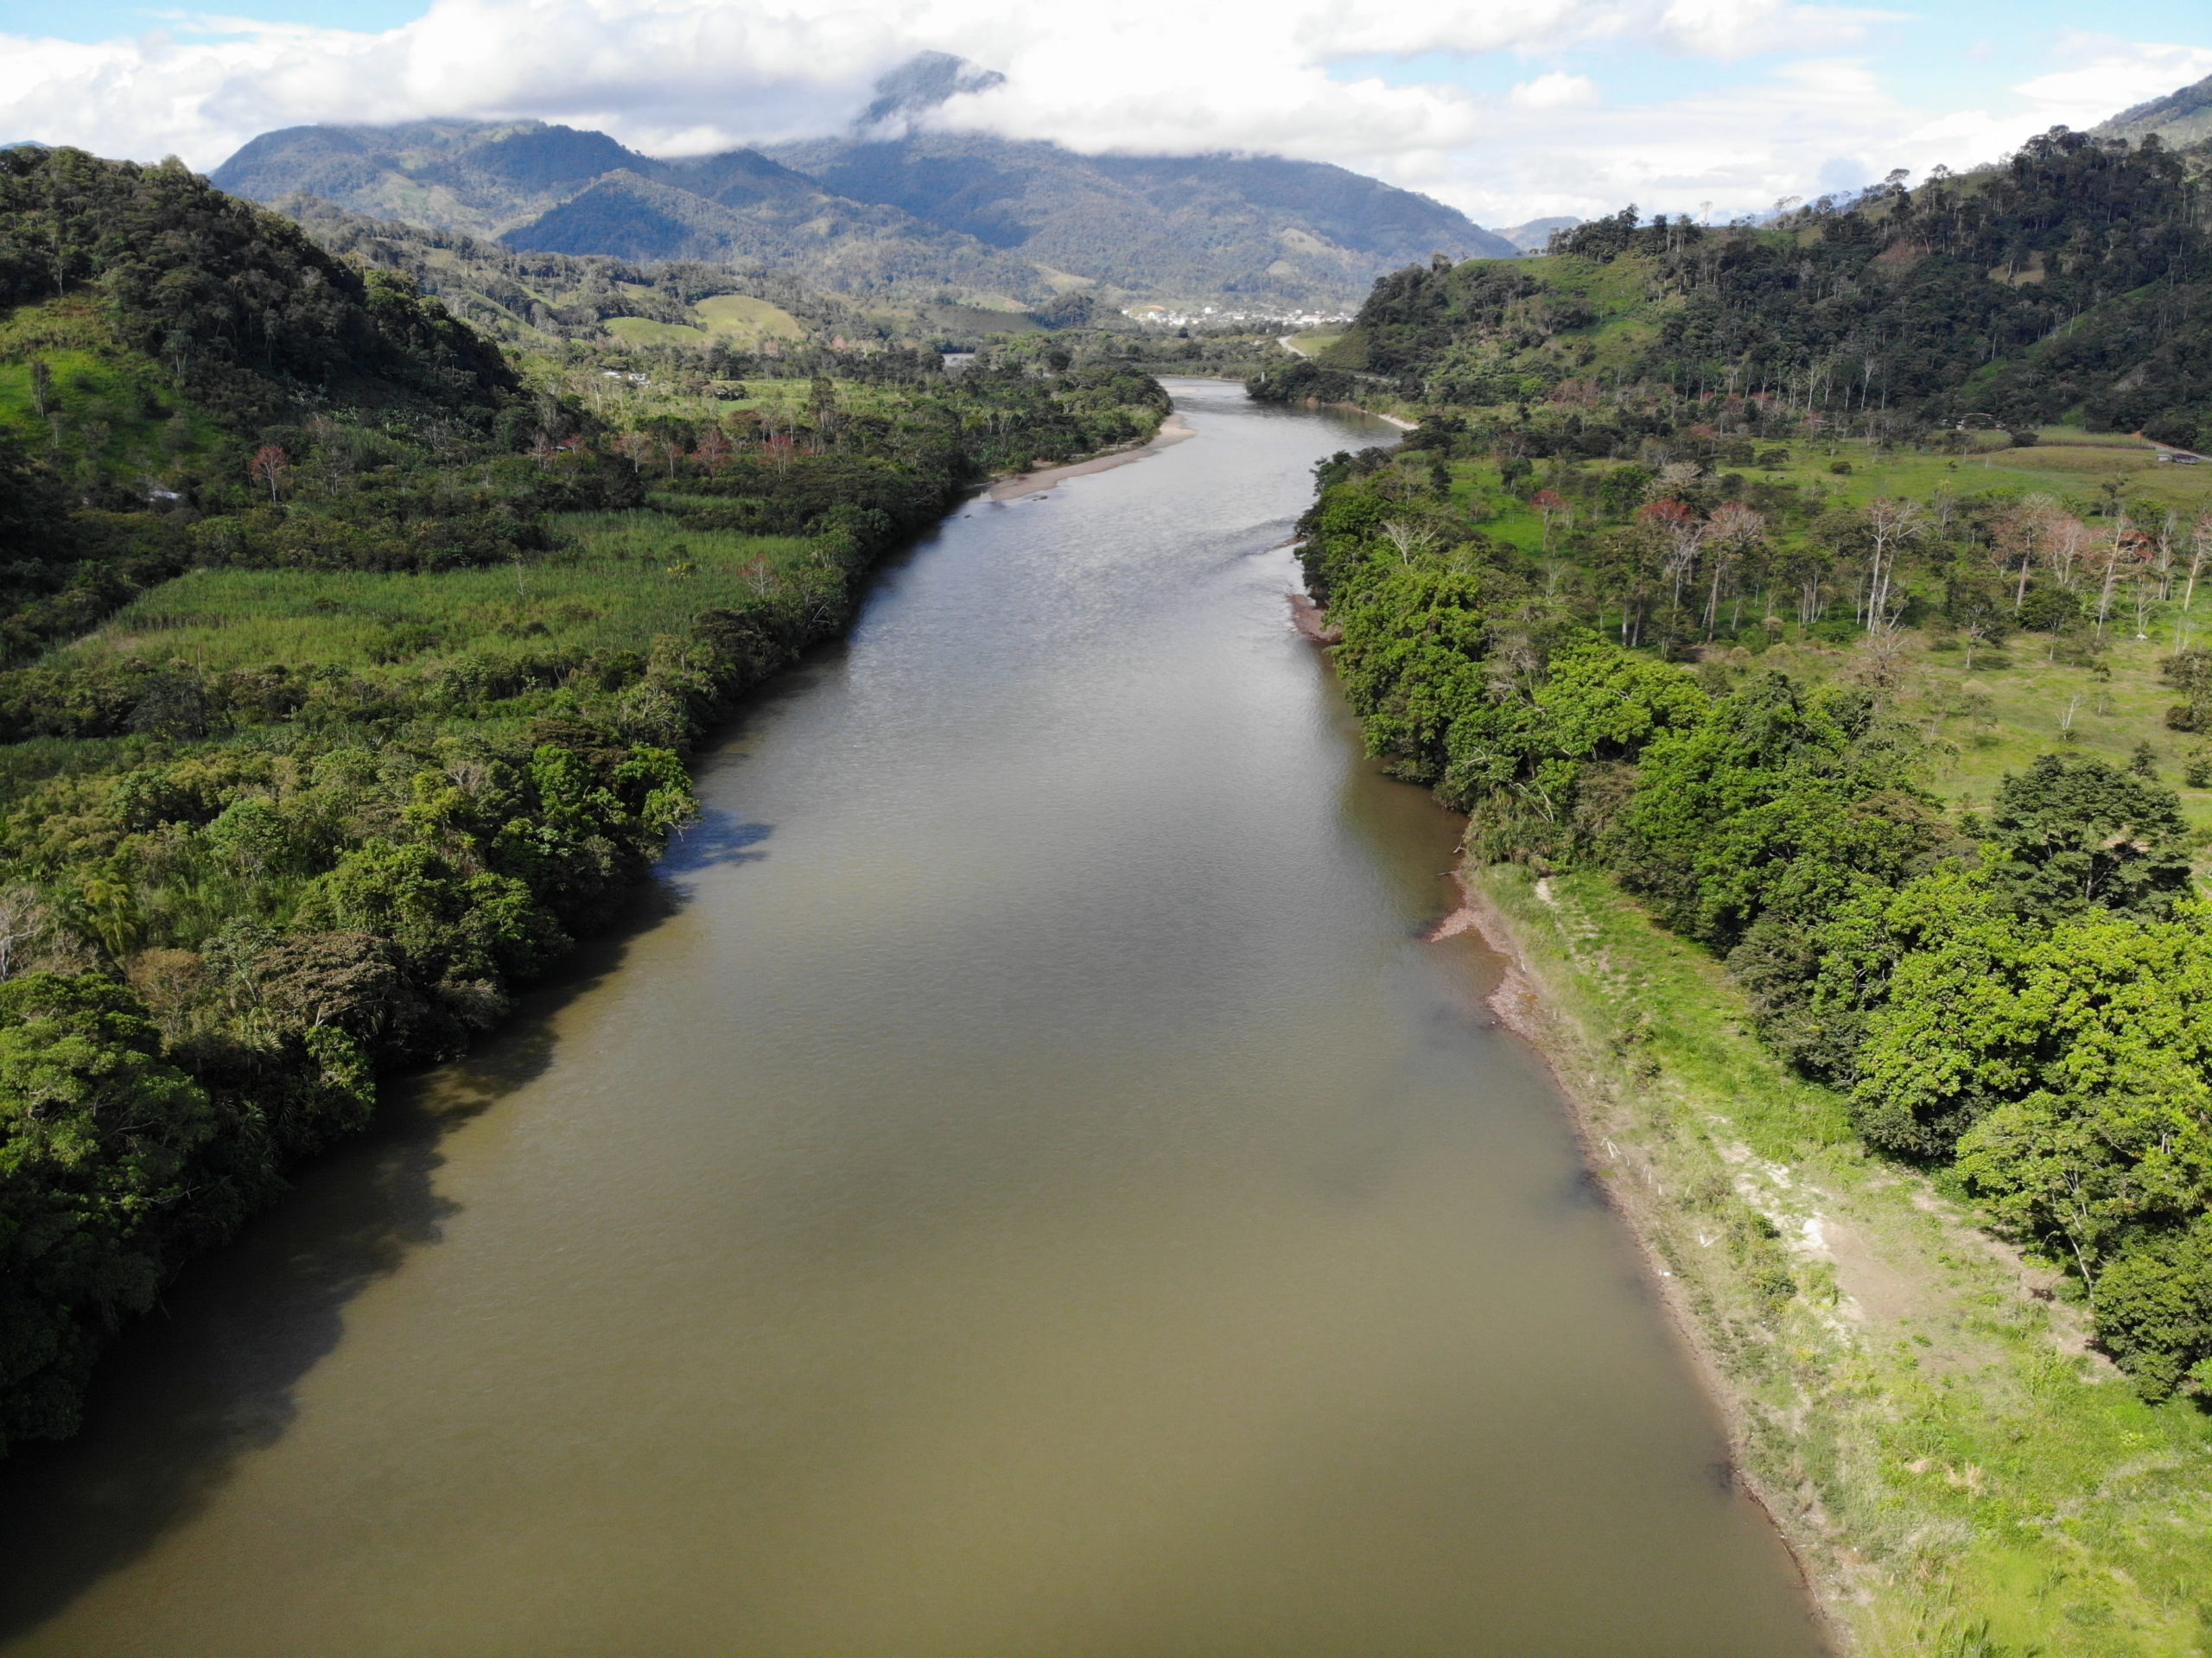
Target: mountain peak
x=919 y=85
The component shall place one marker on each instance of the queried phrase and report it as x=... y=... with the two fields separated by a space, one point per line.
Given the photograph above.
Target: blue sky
x=104 y=20
x=1509 y=109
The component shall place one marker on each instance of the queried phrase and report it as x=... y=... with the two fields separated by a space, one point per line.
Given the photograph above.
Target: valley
x=642 y=901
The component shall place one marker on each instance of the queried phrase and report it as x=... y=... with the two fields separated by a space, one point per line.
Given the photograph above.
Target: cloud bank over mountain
x=1378 y=89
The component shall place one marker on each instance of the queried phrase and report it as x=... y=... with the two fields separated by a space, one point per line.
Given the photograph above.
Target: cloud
x=1373 y=87
x=1555 y=91
x=2105 y=76
x=2117 y=76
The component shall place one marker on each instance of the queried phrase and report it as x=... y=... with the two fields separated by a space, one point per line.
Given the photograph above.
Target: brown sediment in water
x=1172 y=430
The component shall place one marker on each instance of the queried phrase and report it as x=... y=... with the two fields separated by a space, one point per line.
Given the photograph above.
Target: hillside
x=1252 y=228
x=2178 y=120
x=2069 y=283
x=885 y=210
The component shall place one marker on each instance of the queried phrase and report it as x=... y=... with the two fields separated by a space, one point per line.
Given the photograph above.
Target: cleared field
x=743 y=320
x=2036 y=692
x=623 y=578
x=105 y=409
x=644 y=331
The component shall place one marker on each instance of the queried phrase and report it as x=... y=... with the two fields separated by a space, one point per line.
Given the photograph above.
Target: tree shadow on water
x=714 y=837
x=210 y=1376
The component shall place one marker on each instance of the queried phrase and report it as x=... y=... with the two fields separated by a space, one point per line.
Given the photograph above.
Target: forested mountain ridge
x=2075 y=276
x=526 y=296
x=556 y=189
x=1258 y=227
x=883 y=208
x=2178 y=120
x=383 y=652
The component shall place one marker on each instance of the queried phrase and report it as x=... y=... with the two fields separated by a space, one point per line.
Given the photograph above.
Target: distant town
x=1213 y=316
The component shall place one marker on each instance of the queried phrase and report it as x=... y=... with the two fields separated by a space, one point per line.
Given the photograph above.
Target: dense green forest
x=346 y=670
x=2074 y=276
x=2015 y=994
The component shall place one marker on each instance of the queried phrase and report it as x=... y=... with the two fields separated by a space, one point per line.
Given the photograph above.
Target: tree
x=1734 y=532
x=1890 y=525
x=98 y=1135
x=2074 y=833
x=268 y=467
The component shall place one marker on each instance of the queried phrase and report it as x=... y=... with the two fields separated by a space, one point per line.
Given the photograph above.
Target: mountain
x=1243 y=227
x=561 y=190
x=890 y=206
x=1534 y=236
x=2178 y=120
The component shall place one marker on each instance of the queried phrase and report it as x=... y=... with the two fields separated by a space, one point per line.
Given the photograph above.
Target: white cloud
x=1296 y=77
x=1556 y=90
x=2117 y=76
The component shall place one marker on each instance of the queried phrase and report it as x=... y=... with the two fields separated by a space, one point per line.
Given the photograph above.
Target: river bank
x=1912 y=1402
x=1171 y=431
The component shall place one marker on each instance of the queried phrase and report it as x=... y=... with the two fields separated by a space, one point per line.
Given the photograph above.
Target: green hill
x=2070 y=283
x=2178 y=120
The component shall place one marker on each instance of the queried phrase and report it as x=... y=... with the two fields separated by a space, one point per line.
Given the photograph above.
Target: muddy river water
x=1019 y=1187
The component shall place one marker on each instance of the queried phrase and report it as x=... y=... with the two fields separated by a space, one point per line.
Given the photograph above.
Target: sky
x=1509 y=110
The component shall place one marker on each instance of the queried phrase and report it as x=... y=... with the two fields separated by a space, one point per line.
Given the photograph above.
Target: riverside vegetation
x=347 y=668
x=1796 y=587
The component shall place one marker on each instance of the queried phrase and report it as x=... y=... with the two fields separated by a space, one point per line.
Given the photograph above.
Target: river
x=1019 y=1187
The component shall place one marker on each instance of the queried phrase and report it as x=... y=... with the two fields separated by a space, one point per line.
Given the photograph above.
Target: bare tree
x=1890 y=525
x=1732 y=531
x=2200 y=548
x=23 y=916
x=1411 y=541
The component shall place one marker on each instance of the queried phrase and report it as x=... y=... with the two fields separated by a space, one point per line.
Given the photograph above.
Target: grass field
x=2072 y=464
x=107 y=410
x=746 y=322
x=644 y=331
x=735 y=319
x=1922 y=1413
x=620 y=579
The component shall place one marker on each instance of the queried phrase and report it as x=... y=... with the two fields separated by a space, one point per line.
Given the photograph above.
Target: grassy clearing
x=623 y=578
x=1913 y=1402
x=2015 y=704
x=2072 y=464
x=644 y=331
x=108 y=411
x=746 y=322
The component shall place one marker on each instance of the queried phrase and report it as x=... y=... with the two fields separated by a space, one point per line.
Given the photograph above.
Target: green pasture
x=109 y=409
x=622 y=578
x=745 y=321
